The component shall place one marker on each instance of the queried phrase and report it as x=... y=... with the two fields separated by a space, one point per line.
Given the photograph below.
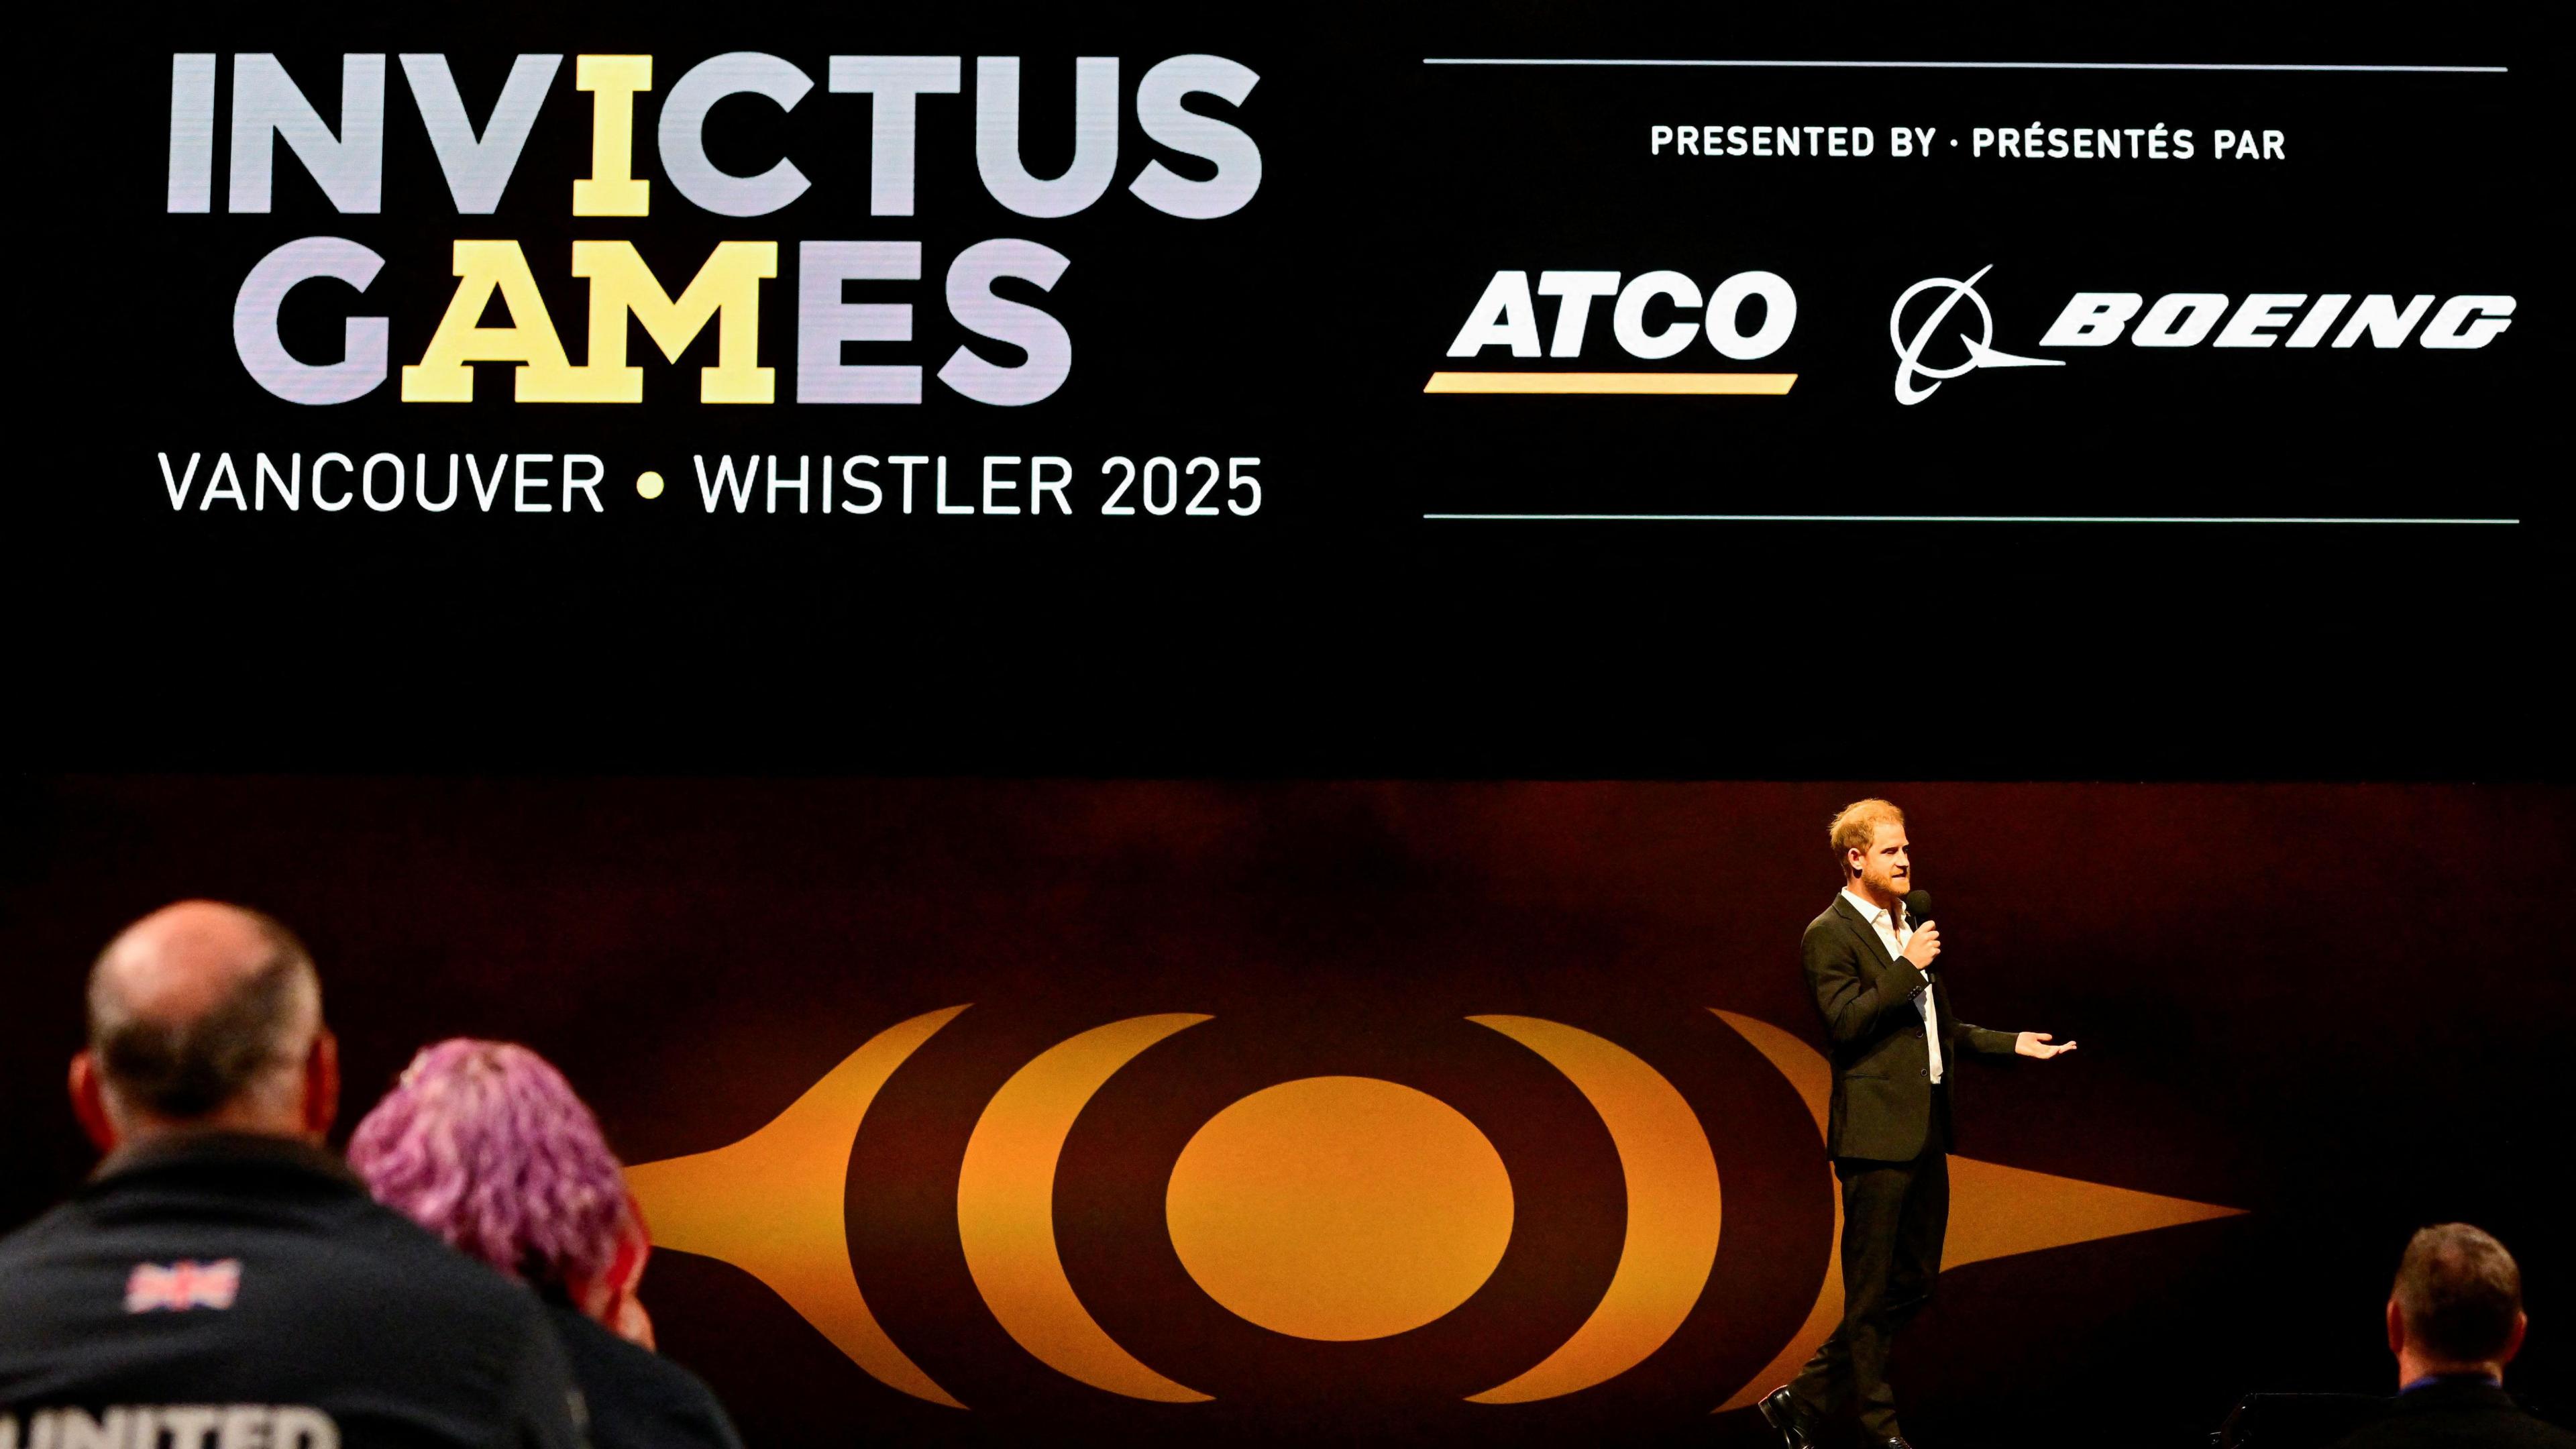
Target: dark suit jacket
x=1882 y=1102
x=2460 y=1414
x=637 y=1399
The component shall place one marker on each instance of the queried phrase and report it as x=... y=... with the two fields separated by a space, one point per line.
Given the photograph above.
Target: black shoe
x=1781 y=1411
x=1899 y=1442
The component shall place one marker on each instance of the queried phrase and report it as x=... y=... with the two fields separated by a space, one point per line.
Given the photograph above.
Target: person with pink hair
x=485 y=1144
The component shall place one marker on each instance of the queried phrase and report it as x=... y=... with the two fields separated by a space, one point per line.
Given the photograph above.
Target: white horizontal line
x=1980 y=65
x=1913 y=518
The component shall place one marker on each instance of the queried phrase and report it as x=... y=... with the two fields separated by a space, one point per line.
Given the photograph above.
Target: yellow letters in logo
x=726 y=291
x=483 y=267
x=611 y=188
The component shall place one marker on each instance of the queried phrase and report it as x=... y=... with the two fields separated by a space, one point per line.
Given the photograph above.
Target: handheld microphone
x=1918 y=909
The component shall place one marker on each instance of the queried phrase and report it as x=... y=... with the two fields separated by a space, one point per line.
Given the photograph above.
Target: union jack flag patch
x=182 y=1285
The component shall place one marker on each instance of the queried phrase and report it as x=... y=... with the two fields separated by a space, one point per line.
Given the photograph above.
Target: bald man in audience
x=223 y=1280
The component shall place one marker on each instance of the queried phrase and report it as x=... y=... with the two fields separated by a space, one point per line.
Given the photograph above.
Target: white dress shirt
x=1892 y=930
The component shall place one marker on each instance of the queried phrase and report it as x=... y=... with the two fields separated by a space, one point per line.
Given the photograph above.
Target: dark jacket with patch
x=1883 y=1099
x=323 y=1303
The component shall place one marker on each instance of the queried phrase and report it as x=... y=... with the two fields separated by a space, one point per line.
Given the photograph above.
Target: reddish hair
x=1856 y=826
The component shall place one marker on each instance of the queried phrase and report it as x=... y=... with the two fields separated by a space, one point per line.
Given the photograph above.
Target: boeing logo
x=1981 y=353
x=2293 y=321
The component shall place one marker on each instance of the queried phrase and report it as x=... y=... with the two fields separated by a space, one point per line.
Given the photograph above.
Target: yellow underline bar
x=1697 y=384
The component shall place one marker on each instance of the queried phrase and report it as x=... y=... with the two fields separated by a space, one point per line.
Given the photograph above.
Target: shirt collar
x=1871 y=914
x=2437 y=1380
x=193 y=1149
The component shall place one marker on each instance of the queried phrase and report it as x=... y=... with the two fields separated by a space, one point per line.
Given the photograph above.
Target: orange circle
x=1340 y=1208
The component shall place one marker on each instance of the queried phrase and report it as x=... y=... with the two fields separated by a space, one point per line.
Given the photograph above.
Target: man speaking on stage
x=1868 y=962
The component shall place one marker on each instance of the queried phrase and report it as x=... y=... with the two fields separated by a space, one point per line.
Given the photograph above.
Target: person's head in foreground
x=2456 y=1309
x=222 y=1276
x=2454 y=1321
x=205 y=1017
x=484 y=1144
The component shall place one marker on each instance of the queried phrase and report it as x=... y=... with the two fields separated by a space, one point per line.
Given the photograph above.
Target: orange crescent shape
x=1006 y=1207
x=1673 y=1211
x=1808 y=1072
x=772 y=1205
x=1995 y=1211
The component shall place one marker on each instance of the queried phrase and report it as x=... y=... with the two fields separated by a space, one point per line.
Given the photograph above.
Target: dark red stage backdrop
x=1524 y=1039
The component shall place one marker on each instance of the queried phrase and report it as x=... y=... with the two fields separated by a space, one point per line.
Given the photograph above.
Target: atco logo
x=2184 y=319
x=1909 y=350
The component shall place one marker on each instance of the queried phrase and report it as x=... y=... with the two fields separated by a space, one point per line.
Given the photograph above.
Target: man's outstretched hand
x=2036 y=1044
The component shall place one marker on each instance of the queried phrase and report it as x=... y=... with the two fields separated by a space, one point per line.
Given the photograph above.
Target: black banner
x=1203 y=391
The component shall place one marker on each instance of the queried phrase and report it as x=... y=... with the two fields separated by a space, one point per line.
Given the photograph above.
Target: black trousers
x=1894 y=1217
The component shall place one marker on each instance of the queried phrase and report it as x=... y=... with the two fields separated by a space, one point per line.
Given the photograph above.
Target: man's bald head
x=205 y=1011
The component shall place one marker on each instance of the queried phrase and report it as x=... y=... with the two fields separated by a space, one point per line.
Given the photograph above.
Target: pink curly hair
x=484 y=1144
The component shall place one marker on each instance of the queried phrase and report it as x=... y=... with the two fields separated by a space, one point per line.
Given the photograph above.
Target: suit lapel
x=1859 y=926
x=1877 y=949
